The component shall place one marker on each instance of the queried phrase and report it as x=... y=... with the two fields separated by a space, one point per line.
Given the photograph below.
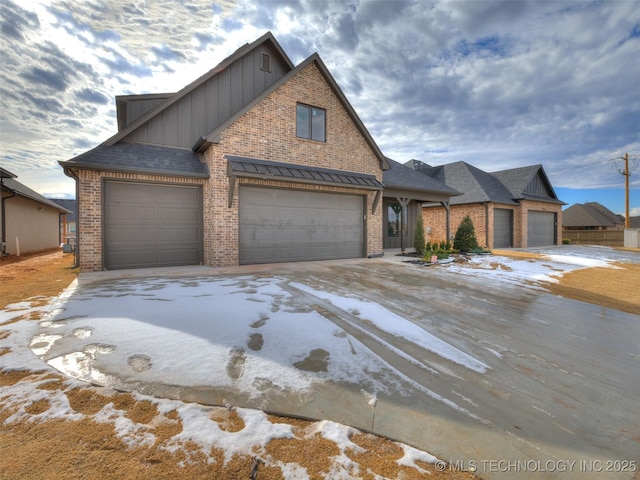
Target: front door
x=398 y=224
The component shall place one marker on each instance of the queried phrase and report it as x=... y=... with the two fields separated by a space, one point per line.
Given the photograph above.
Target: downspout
x=4 y=218
x=61 y=228
x=77 y=245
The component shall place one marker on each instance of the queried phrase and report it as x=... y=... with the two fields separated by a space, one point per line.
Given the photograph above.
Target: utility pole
x=627 y=173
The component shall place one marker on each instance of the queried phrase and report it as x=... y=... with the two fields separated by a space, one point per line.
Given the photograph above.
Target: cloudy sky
x=496 y=84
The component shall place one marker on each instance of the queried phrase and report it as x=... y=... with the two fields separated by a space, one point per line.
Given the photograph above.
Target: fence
x=607 y=238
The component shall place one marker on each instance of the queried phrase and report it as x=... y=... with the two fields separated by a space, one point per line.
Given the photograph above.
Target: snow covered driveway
x=471 y=364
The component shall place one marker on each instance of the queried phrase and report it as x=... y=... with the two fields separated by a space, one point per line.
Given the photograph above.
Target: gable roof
x=477 y=186
x=214 y=136
x=401 y=177
x=140 y=158
x=590 y=214
x=13 y=186
x=529 y=182
x=267 y=37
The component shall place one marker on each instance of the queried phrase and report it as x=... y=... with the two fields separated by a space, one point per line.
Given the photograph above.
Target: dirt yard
x=608 y=287
x=88 y=448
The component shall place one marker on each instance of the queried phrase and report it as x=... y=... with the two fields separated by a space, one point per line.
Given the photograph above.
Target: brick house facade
x=260 y=127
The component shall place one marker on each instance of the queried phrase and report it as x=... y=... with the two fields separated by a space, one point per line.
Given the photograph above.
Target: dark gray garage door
x=290 y=225
x=541 y=229
x=151 y=225
x=502 y=228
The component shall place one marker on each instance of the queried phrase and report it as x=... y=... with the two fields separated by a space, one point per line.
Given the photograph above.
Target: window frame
x=309 y=127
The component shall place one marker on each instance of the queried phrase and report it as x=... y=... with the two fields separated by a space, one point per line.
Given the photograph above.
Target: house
x=510 y=208
x=30 y=222
x=67 y=222
x=591 y=216
x=257 y=161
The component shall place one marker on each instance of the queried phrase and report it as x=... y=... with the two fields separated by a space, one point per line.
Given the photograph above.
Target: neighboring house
x=256 y=161
x=67 y=222
x=30 y=222
x=510 y=208
x=591 y=216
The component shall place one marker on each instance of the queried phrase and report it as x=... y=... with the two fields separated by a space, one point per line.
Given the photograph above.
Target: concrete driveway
x=488 y=373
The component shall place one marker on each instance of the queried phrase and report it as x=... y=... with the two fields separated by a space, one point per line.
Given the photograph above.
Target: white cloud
x=497 y=84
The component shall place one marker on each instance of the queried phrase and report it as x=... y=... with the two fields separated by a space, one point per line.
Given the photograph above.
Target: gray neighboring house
x=30 y=222
x=591 y=216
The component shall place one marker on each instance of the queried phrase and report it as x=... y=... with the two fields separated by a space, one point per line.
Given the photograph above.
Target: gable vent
x=265 y=62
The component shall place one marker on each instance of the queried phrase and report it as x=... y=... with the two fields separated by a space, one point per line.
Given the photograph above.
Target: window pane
x=302 y=121
x=317 y=124
x=394 y=213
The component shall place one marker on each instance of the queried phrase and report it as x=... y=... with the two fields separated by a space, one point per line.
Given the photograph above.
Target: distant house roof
x=401 y=177
x=254 y=168
x=590 y=214
x=67 y=204
x=11 y=185
x=139 y=158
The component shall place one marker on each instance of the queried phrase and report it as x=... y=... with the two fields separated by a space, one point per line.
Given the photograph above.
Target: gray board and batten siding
x=278 y=225
x=210 y=104
x=152 y=225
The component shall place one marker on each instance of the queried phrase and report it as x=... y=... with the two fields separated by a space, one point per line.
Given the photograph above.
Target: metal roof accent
x=265 y=169
x=139 y=158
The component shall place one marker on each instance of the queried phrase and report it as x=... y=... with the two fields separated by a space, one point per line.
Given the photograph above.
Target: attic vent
x=265 y=62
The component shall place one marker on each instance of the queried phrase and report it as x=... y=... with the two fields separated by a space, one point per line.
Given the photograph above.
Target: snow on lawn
x=520 y=271
x=198 y=425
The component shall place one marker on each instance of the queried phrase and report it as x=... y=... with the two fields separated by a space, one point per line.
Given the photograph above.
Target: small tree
x=418 y=235
x=465 y=239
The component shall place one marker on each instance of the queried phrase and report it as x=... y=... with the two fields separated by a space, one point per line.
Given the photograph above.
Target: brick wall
x=435 y=218
x=268 y=132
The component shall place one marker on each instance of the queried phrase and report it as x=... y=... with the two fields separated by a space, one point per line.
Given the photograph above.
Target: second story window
x=310 y=122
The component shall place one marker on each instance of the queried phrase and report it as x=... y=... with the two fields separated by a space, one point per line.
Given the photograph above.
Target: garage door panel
x=541 y=228
x=150 y=225
x=502 y=228
x=289 y=225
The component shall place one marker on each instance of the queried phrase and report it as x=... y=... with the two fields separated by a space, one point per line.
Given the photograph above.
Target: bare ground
x=87 y=448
